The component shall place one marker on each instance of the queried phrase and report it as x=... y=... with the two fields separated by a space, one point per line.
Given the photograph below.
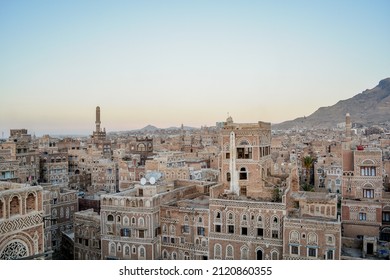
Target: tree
x=308 y=163
x=307 y=188
x=276 y=195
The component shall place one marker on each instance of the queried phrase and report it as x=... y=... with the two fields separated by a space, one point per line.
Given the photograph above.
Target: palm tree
x=308 y=162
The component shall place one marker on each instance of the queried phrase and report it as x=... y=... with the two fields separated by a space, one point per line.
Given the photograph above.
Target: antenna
x=152 y=180
x=143 y=181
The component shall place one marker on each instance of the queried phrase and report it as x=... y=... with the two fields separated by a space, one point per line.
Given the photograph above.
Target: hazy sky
x=193 y=62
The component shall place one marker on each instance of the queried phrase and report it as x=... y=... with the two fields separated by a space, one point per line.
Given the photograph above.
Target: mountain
x=370 y=107
x=149 y=128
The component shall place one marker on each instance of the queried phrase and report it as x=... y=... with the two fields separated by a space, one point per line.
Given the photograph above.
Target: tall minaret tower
x=348 y=126
x=97 y=122
x=348 y=134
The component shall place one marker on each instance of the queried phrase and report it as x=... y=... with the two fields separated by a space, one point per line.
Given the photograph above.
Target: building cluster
x=230 y=192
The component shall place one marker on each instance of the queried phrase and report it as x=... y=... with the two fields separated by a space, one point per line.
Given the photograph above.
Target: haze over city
x=193 y=62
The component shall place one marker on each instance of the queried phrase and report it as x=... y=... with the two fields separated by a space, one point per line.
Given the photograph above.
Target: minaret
x=348 y=138
x=234 y=187
x=348 y=126
x=97 y=122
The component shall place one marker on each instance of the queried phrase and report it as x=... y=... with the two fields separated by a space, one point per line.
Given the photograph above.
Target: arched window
x=275 y=227
x=14 y=206
x=165 y=255
x=274 y=255
x=112 y=250
x=294 y=236
x=30 y=203
x=244 y=253
x=259 y=254
x=125 y=221
x=229 y=252
x=243 y=173
x=110 y=218
x=217 y=251
x=141 y=253
x=141 y=222
x=312 y=238
x=141 y=147
x=14 y=250
x=126 y=251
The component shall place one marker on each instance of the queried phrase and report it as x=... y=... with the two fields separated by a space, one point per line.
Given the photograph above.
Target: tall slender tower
x=97 y=122
x=348 y=134
x=99 y=134
x=348 y=125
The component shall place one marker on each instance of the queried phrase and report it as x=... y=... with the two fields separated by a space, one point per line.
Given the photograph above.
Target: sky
x=194 y=62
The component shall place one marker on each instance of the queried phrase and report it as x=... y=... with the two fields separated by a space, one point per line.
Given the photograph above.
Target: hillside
x=367 y=108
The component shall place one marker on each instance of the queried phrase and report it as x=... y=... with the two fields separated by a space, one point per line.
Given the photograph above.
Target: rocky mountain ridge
x=370 y=107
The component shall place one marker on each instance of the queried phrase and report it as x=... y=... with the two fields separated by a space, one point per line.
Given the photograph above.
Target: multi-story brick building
x=362 y=195
x=54 y=168
x=9 y=169
x=312 y=226
x=131 y=219
x=328 y=173
x=244 y=228
x=59 y=205
x=22 y=151
x=185 y=228
x=246 y=158
x=87 y=245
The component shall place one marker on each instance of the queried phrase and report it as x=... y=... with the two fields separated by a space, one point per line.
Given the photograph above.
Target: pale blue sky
x=193 y=62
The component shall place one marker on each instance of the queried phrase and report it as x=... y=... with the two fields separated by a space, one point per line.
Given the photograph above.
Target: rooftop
x=9 y=186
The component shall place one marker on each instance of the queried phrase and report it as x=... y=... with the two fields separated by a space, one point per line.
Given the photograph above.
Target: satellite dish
x=152 y=180
x=143 y=181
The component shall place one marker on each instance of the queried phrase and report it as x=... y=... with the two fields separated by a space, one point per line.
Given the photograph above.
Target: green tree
x=308 y=163
x=276 y=195
x=307 y=188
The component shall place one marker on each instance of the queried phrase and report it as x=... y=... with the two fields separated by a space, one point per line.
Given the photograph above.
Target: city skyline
x=168 y=63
